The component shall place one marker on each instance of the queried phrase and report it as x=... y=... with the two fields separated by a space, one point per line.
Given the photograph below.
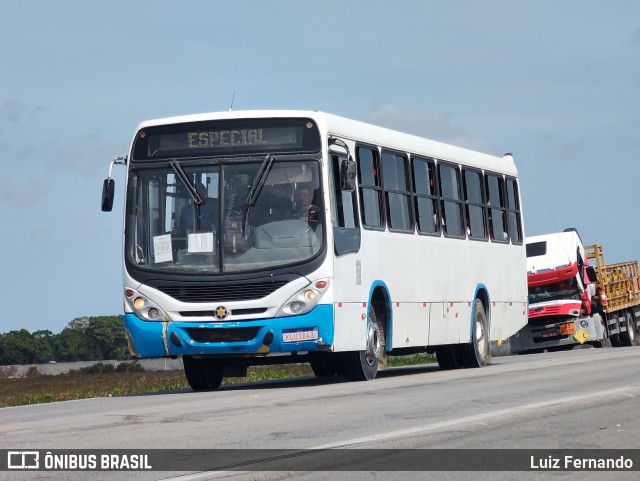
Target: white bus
x=264 y=237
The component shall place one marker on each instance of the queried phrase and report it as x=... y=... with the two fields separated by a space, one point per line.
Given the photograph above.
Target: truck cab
x=561 y=287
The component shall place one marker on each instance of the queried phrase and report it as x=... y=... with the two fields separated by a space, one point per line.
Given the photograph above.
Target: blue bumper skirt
x=308 y=332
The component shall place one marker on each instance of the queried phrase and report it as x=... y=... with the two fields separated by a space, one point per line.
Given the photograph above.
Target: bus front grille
x=221 y=292
x=235 y=334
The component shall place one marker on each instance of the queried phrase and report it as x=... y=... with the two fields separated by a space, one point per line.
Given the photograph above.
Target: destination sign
x=226 y=137
x=230 y=138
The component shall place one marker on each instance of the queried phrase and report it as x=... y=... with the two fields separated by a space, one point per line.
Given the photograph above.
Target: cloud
x=12 y=111
x=557 y=145
x=89 y=158
x=21 y=195
x=435 y=126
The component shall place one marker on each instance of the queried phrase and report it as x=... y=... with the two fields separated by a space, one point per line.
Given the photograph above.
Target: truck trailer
x=574 y=302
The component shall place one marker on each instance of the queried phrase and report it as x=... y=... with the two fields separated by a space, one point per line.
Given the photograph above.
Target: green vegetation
x=83 y=339
x=414 y=360
x=105 y=380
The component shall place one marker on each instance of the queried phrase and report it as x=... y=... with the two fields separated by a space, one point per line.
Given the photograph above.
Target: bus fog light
x=296 y=306
x=153 y=313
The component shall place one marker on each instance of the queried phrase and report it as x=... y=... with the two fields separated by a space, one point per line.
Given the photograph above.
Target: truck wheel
x=605 y=341
x=203 y=374
x=615 y=338
x=628 y=337
x=363 y=365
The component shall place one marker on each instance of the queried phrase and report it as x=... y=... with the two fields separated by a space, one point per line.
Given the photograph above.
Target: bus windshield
x=192 y=217
x=563 y=290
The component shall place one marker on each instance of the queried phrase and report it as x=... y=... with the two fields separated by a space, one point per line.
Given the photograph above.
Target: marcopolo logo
x=23 y=460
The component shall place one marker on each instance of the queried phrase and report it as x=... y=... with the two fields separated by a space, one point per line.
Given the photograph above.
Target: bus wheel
x=449 y=357
x=323 y=365
x=627 y=338
x=477 y=353
x=203 y=374
x=363 y=365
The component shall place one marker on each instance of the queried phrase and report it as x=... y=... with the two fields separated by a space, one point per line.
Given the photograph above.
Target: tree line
x=83 y=339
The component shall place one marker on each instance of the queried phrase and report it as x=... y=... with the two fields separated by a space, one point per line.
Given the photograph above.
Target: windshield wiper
x=256 y=188
x=259 y=180
x=181 y=174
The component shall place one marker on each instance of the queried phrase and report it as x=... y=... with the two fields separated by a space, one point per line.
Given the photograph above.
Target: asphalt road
x=581 y=399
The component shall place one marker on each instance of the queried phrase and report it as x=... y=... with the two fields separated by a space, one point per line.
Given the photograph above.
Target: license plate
x=567 y=329
x=549 y=334
x=300 y=335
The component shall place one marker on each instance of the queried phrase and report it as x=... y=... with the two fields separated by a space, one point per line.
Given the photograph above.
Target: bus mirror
x=348 y=175
x=107 y=194
x=338 y=147
x=591 y=274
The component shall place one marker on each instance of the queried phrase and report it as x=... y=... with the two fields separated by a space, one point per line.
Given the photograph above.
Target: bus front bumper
x=312 y=331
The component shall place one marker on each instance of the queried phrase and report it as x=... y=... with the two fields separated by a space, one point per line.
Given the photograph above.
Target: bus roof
x=361 y=132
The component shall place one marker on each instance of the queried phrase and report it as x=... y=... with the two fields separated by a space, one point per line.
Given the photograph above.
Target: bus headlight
x=305 y=299
x=143 y=307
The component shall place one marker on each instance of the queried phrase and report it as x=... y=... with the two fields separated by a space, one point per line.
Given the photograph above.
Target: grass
x=102 y=380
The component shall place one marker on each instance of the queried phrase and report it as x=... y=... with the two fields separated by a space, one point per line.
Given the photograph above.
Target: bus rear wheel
x=478 y=353
x=450 y=357
x=363 y=365
x=203 y=374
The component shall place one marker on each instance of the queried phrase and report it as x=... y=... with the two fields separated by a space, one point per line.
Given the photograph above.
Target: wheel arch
x=481 y=293
x=380 y=302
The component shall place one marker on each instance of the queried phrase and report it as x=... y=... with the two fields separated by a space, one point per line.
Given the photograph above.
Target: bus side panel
x=449 y=323
x=350 y=326
x=410 y=325
x=513 y=317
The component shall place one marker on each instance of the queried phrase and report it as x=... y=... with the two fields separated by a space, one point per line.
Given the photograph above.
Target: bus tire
x=203 y=374
x=477 y=353
x=628 y=337
x=363 y=365
x=449 y=357
x=323 y=365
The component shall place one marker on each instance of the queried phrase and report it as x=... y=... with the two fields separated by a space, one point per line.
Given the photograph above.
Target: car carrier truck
x=575 y=298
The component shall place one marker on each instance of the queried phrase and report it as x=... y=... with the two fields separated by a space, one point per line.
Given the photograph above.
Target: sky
x=554 y=82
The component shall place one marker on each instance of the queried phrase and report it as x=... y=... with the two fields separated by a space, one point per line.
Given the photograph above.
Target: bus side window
x=425 y=199
x=515 y=223
x=346 y=233
x=451 y=200
x=497 y=209
x=370 y=188
x=395 y=177
x=474 y=204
